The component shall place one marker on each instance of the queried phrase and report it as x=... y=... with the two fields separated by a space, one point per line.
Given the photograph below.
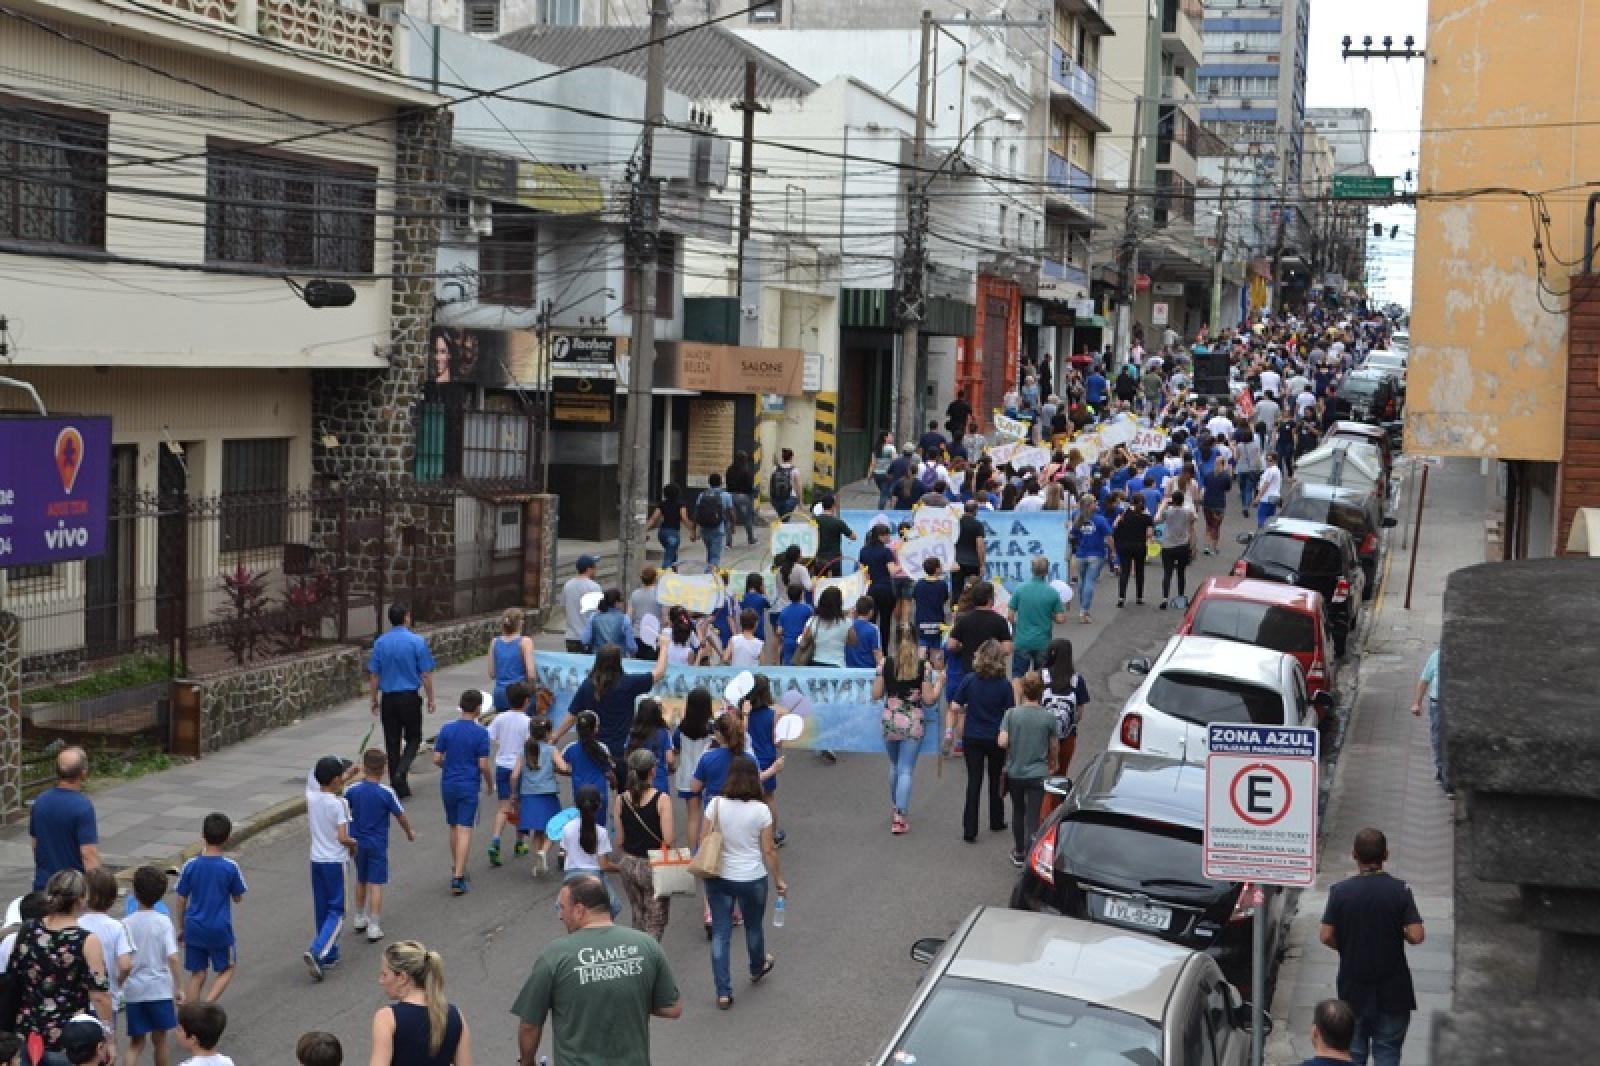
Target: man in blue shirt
x=62 y=823
x=1332 y=1028
x=1094 y=387
x=400 y=664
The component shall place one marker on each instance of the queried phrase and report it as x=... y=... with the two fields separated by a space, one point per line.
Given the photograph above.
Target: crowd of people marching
x=625 y=797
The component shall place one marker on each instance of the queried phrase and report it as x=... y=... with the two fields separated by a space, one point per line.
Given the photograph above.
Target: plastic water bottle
x=777 y=913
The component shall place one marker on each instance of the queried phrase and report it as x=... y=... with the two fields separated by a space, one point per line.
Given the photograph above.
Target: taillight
x=1388 y=409
x=1317 y=673
x=1369 y=544
x=1341 y=591
x=1241 y=569
x=1132 y=730
x=1250 y=897
x=1042 y=859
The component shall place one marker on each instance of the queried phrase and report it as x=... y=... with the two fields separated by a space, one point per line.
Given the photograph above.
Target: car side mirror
x=1390 y=521
x=1140 y=665
x=924 y=950
x=1246 y=538
x=1243 y=1016
x=1323 y=699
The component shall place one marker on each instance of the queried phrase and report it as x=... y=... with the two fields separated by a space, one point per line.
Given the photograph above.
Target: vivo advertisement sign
x=54 y=488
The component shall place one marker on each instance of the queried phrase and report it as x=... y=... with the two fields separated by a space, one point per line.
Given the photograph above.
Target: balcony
x=1070 y=184
x=1070 y=82
x=1059 y=277
x=1176 y=90
x=326 y=28
x=1181 y=32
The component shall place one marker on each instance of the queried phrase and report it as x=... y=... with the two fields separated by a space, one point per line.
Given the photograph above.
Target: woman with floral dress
x=60 y=968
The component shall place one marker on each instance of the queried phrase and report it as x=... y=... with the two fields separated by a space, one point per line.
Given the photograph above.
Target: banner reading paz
x=1011 y=540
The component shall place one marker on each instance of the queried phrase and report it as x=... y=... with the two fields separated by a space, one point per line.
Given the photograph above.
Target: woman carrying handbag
x=644 y=824
x=908 y=685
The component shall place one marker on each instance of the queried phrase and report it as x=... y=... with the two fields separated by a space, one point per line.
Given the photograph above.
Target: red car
x=1284 y=618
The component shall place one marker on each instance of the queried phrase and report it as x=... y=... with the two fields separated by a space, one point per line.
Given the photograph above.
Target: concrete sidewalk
x=1385 y=776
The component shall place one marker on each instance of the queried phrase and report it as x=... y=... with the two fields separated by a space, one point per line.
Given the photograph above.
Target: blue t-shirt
x=1094 y=387
x=372 y=804
x=585 y=771
x=540 y=780
x=61 y=823
x=761 y=724
x=792 y=619
x=760 y=605
x=462 y=743
x=1152 y=499
x=712 y=771
x=930 y=595
x=985 y=700
x=862 y=654
x=1091 y=535
x=1120 y=476
x=1215 y=496
x=615 y=708
x=400 y=658
x=209 y=883
x=875 y=558
x=659 y=744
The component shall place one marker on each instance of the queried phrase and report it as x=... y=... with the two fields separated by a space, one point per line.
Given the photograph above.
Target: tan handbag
x=806 y=646
x=707 y=862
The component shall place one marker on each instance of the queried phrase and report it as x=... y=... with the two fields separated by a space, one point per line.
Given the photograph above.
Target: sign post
x=1261 y=828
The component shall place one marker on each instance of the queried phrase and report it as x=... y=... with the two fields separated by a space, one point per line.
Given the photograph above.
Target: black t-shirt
x=1130 y=530
x=974 y=627
x=829 y=532
x=909 y=688
x=671 y=514
x=741 y=480
x=970 y=529
x=1369 y=914
x=958 y=414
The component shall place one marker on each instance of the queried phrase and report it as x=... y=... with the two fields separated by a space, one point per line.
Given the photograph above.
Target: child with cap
x=328 y=816
x=372 y=803
x=208 y=886
x=149 y=993
x=461 y=750
x=83 y=1041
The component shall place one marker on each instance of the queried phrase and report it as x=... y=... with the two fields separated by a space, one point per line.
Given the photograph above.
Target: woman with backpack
x=908 y=685
x=1065 y=694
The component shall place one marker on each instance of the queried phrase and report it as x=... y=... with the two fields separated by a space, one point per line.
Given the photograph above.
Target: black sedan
x=1125 y=849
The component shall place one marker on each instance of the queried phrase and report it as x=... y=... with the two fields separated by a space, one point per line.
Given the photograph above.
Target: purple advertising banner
x=54 y=488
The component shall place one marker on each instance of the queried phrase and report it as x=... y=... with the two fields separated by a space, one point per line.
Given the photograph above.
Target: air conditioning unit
x=391 y=11
x=1246 y=105
x=1238 y=46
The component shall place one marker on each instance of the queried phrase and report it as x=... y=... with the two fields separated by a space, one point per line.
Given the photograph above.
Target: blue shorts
x=460 y=805
x=502 y=783
x=931 y=641
x=199 y=960
x=534 y=811
x=372 y=865
x=156 y=1016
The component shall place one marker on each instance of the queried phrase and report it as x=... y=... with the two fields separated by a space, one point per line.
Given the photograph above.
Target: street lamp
x=1010 y=118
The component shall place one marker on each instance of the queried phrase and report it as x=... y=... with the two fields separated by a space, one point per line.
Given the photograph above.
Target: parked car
x=1356 y=511
x=1400 y=342
x=1372 y=396
x=1199 y=680
x=1362 y=433
x=1036 y=990
x=1312 y=555
x=1393 y=362
x=1284 y=618
x=1125 y=849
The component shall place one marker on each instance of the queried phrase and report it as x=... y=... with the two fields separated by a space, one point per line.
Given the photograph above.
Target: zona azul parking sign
x=1261 y=804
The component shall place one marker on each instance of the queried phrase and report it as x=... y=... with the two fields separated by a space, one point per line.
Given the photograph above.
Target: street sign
x=54 y=488
x=1261 y=804
x=1158 y=314
x=1360 y=187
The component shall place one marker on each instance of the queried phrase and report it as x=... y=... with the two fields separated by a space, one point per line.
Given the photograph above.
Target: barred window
x=508 y=259
x=255 y=480
x=275 y=211
x=52 y=177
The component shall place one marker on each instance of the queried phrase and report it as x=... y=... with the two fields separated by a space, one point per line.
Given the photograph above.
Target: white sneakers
x=541 y=863
x=360 y=922
x=374 y=933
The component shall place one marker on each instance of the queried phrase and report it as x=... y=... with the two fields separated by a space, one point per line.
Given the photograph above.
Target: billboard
x=54 y=488
x=492 y=358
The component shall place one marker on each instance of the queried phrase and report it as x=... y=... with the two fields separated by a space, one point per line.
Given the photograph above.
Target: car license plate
x=1147 y=917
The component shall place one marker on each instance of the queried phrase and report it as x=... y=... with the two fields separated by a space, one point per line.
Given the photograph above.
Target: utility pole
x=911 y=297
x=1283 y=217
x=644 y=231
x=1222 y=245
x=1127 y=254
x=747 y=170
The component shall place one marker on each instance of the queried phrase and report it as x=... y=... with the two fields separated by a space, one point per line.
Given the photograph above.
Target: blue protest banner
x=1011 y=539
x=836 y=705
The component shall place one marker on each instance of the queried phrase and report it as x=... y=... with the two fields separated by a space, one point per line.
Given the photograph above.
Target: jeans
x=714 y=539
x=1023 y=660
x=402 y=720
x=1133 y=561
x=1174 y=561
x=1265 y=510
x=979 y=755
x=785 y=508
x=902 y=763
x=1089 y=567
x=751 y=898
x=884 y=485
x=670 y=539
x=1436 y=737
x=1247 y=487
x=1382 y=1036
x=744 y=514
x=1027 y=796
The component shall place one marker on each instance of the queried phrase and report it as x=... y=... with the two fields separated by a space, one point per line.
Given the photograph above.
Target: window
x=255 y=478
x=1011 y=160
x=508 y=529
x=1203 y=699
x=1002 y=225
x=558 y=12
x=769 y=12
x=31 y=572
x=271 y=210
x=52 y=177
x=508 y=260
x=483 y=16
x=666 y=271
x=1278 y=628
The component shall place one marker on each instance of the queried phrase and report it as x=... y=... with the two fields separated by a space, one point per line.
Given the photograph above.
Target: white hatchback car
x=1393 y=362
x=1200 y=680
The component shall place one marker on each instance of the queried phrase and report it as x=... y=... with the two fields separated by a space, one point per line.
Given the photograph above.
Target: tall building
x=1348 y=131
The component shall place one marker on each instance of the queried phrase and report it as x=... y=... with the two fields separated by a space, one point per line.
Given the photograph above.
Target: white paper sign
x=936 y=522
x=1148 y=440
x=851 y=588
x=802 y=533
x=700 y=593
x=1009 y=427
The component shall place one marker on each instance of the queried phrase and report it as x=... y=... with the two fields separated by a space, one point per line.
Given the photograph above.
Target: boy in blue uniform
x=792 y=621
x=461 y=750
x=372 y=804
x=328 y=819
x=930 y=595
x=208 y=886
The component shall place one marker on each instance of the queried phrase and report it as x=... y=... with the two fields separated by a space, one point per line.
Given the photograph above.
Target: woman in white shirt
x=828 y=628
x=586 y=846
x=749 y=858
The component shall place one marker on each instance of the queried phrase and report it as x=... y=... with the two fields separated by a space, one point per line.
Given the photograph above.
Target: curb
x=275 y=815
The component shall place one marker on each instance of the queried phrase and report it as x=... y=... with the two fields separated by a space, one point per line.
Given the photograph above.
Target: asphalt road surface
x=858 y=898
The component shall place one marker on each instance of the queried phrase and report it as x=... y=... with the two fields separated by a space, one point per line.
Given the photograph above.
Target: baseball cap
x=80 y=1038
x=586 y=561
x=330 y=768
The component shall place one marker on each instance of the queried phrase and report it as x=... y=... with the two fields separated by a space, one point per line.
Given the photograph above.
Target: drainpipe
x=1588 y=232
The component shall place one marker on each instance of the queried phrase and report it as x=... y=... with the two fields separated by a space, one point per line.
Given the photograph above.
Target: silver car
x=1036 y=990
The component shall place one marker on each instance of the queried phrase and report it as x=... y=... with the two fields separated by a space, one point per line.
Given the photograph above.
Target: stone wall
x=10 y=715
x=243 y=703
